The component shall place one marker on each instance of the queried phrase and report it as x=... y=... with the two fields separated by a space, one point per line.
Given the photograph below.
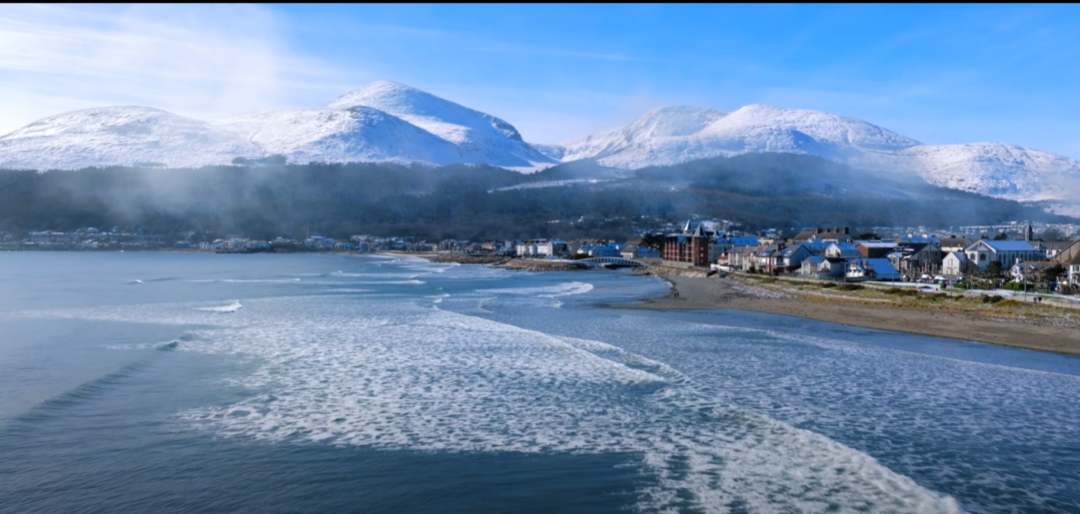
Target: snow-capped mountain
x=672 y=135
x=120 y=136
x=481 y=138
x=383 y=121
x=387 y=121
x=676 y=134
x=357 y=134
x=996 y=169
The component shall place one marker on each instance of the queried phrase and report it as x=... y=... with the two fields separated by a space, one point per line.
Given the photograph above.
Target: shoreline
x=697 y=292
x=700 y=293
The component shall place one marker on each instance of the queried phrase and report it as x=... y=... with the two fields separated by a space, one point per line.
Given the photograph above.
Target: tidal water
x=181 y=383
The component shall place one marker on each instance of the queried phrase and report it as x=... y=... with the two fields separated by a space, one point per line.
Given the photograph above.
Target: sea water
x=182 y=383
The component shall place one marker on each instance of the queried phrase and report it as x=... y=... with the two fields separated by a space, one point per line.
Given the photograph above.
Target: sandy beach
x=1062 y=336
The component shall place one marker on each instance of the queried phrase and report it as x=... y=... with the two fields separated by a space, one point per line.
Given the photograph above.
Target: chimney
x=847 y=230
x=819 y=230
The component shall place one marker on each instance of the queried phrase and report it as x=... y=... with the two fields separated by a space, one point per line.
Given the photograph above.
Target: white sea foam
x=438 y=381
x=247 y=281
x=413 y=282
x=564 y=289
x=375 y=275
x=402 y=375
x=232 y=306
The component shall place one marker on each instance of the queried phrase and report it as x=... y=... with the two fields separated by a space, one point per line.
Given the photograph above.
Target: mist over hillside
x=580 y=199
x=389 y=122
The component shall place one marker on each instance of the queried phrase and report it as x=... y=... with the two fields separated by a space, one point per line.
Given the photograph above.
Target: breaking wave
x=433 y=380
x=230 y=307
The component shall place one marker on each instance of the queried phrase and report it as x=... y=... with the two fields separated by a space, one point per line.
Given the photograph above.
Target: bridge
x=611 y=262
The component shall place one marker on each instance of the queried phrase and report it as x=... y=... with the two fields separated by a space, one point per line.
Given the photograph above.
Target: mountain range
x=390 y=122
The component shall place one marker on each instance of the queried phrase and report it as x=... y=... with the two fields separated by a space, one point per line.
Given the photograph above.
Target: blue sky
x=939 y=74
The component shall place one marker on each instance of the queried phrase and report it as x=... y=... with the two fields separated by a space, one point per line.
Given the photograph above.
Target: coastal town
x=1008 y=256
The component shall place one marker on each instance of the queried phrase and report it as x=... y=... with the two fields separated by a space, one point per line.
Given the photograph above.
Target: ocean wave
x=247 y=281
x=431 y=380
x=564 y=289
x=230 y=307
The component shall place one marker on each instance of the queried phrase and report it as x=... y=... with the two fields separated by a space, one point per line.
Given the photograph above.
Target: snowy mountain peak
x=674 y=121
x=824 y=127
x=679 y=133
x=389 y=121
x=996 y=169
x=124 y=135
x=442 y=117
x=383 y=121
x=356 y=134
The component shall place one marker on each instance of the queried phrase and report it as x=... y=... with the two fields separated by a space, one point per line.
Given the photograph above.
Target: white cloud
x=201 y=61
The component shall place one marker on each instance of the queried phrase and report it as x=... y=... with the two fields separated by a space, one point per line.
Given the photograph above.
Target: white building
x=954 y=264
x=1007 y=253
x=542 y=248
x=871 y=269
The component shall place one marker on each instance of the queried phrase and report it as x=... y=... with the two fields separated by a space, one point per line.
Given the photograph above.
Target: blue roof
x=1010 y=246
x=744 y=241
x=882 y=267
x=918 y=239
x=788 y=250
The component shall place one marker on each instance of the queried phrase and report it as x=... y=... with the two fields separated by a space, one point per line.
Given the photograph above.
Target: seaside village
x=1015 y=260
x=832 y=253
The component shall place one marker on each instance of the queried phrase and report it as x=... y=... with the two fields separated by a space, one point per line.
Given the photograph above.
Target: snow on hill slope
x=387 y=121
x=383 y=121
x=120 y=136
x=672 y=135
x=482 y=138
x=676 y=134
x=357 y=134
x=996 y=169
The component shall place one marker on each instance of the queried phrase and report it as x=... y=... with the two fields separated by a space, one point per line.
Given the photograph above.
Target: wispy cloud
x=205 y=61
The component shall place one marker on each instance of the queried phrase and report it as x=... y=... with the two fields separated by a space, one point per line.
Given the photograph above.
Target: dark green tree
x=654 y=241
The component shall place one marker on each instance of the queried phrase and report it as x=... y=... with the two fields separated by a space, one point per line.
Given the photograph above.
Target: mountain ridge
x=386 y=121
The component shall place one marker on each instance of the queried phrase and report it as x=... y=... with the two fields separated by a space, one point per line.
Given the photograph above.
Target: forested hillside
x=481 y=202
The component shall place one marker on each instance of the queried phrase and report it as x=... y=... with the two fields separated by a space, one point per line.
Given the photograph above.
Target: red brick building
x=692 y=247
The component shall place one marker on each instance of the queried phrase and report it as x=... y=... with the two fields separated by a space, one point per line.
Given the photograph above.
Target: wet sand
x=715 y=293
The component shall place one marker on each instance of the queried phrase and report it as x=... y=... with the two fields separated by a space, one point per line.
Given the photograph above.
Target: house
x=865 y=268
x=916 y=258
x=722 y=249
x=743 y=258
x=768 y=258
x=843 y=250
x=1073 y=268
x=637 y=252
x=1006 y=253
x=955 y=244
x=822 y=268
x=542 y=248
x=1029 y=271
x=688 y=246
x=1064 y=255
x=791 y=257
x=875 y=249
x=828 y=235
x=954 y=264
x=608 y=250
